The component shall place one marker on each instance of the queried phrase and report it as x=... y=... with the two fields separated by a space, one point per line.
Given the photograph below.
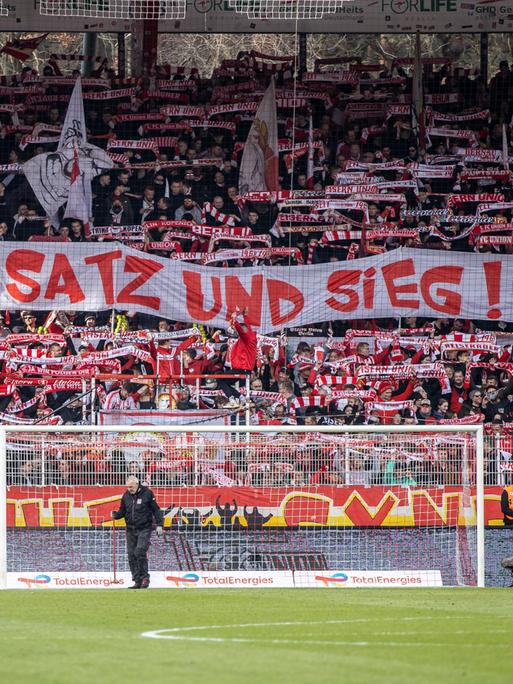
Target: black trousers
x=228 y=385
x=138 y=543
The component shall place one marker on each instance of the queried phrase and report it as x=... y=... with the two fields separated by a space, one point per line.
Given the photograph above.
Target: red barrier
x=324 y=506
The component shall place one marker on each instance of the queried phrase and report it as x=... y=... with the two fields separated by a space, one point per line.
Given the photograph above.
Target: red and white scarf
x=51 y=420
x=209 y=210
x=383 y=372
x=387 y=409
x=305 y=402
x=458 y=200
x=331 y=380
x=363 y=395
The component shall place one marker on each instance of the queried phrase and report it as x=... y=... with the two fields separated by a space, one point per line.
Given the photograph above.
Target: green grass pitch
x=260 y=636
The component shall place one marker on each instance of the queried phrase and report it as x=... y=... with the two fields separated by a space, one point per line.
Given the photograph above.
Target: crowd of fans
x=177 y=140
x=285 y=460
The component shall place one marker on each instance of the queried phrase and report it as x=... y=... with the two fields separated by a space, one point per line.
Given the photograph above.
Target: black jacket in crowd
x=139 y=509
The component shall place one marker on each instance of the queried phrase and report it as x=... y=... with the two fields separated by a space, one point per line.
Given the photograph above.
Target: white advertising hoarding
x=174 y=579
x=368 y=579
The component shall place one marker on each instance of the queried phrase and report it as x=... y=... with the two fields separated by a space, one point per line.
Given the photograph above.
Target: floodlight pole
x=303 y=54
x=89 y=50
x=146 y=34
x=121 y=55
x=150 y=45
x=483 y=58
x=418 y=91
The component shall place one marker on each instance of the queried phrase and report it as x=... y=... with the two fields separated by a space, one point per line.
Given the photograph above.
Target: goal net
x=286 y=9
x=278 y=506
x=115 y=9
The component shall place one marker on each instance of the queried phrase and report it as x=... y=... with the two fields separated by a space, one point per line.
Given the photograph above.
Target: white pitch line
x=177 y=633
x=303 y=642
x=307 y=622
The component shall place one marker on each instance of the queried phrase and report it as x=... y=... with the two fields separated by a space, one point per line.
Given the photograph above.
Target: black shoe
x=145 y=583
x=135 y=586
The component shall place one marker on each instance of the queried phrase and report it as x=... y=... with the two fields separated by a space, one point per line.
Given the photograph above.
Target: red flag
x=22 y=48
x=77 y=205
x=52 y=324
x=75 y=169
x=56 y=322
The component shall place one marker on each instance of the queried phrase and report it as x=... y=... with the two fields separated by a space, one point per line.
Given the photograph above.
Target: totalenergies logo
x=338 y=579
x=188 y=580
x=35 y=581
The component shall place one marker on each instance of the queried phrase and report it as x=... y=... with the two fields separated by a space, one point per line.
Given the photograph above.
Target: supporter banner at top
x=404 y=282
x=354 y=16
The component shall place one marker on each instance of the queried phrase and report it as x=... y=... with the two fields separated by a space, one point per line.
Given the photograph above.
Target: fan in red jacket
x=244 y=351
x=169 y=366
x=190 y=365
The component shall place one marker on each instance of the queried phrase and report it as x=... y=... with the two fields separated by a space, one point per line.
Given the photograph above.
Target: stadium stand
x=176 y=140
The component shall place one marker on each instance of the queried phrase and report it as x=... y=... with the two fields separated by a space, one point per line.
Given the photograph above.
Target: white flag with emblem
x=259 y=164
x=49 y=174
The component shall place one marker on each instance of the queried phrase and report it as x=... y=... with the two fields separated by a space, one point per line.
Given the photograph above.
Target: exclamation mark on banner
x=492 y=271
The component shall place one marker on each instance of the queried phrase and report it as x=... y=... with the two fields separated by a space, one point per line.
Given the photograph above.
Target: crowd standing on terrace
x=438 y=183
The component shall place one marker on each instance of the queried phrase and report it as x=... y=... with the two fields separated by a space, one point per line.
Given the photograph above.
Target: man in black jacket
x=139 y=508
x=507 y=512
x=507 y=505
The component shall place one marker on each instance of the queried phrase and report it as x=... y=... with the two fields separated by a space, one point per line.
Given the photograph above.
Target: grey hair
x=132 y=478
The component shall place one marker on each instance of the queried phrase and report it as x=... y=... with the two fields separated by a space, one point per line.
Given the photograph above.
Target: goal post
x=275 y=505
x=115 y=9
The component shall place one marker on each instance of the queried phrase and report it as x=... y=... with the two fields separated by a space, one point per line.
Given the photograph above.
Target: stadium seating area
x=176 y=140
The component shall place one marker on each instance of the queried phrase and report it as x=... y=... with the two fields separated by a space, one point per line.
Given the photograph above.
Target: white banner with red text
x=402 y=282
